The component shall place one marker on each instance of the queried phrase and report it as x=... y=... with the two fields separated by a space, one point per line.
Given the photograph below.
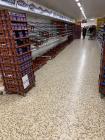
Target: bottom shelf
x=21 y=93
x=102 y=92
x=19 y=86
x=38 y=62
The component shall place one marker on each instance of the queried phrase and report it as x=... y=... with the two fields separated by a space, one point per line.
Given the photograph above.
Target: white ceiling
x=92 y=8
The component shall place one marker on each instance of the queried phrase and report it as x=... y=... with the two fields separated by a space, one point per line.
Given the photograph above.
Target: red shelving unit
x=15 y=53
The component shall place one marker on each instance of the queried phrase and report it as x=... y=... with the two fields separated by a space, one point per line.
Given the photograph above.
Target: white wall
x=89 y=23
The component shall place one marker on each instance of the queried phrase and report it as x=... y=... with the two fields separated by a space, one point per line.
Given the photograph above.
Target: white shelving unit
x=47 y=46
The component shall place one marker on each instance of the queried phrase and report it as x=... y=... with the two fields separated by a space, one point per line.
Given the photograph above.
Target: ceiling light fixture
x=81 y=8
x=92 y=19
x=83 y=13
x=77 y=0
x=79 y=4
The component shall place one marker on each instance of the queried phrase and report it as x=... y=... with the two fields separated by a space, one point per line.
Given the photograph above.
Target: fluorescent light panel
x=79 y=4
x=92 y=19
x=81 y=8
x=82 y=11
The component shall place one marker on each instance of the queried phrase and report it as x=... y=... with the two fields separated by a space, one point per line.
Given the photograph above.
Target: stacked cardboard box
x=15 y=53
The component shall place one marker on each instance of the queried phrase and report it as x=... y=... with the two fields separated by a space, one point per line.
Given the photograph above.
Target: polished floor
x=64 y=105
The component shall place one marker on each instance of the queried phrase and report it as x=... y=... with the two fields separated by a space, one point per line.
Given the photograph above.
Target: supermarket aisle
x=65 y=105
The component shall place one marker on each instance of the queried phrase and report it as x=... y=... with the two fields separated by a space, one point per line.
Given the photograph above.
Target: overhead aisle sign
x=11 y=2
x=22 y=4
x=8 y=3
x=30 y=6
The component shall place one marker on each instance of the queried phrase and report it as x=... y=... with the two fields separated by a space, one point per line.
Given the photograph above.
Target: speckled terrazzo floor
x=64 y=105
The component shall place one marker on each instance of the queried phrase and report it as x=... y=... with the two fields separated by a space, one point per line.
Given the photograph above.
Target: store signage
x=36 y=8
x=12 y=2
x=32 y=7
x=22 y=3
x=40 y=9
x=27 y=5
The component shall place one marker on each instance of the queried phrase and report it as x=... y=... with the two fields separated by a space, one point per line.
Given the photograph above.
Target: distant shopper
x=91 y=29
x=92 y=32
x=84 y=32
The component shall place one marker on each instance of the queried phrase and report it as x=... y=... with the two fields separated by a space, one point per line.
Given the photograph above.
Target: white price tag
x=25 y=81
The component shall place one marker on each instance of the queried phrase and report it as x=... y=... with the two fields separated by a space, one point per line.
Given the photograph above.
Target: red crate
x=12 y=68
x=11 y=74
